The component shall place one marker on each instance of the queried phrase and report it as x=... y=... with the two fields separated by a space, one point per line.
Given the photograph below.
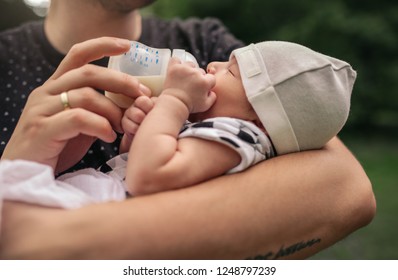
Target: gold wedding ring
x=65 y=100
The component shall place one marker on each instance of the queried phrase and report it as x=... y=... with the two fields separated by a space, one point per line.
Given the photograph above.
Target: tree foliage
x=13 y=13
x=364 y=33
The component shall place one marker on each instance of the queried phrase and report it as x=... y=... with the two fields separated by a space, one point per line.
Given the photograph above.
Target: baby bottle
x=149 y=65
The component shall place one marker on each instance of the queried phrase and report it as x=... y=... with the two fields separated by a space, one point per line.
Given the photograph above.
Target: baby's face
x=231 y=97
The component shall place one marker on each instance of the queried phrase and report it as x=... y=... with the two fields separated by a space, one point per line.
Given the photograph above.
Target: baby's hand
x=132 y=119
x=193 y=85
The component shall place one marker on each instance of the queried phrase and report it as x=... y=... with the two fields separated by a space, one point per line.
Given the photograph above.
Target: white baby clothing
x=32 y=182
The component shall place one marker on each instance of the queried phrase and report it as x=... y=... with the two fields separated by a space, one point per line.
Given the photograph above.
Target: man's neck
x=71 y=22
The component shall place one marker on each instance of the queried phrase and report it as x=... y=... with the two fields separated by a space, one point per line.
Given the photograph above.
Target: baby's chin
x=197 y=117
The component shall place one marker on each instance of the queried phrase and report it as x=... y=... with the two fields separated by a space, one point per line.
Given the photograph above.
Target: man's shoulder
x=206 y=38
x=22 y=30
x=20 y=35
x=155 y=24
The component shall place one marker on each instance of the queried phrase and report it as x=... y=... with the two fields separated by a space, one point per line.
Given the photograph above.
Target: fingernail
x=113 y=135
x=145 y=90
x=123 y=42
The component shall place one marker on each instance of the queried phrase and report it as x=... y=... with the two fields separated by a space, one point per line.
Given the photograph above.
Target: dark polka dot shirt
x=27 y=60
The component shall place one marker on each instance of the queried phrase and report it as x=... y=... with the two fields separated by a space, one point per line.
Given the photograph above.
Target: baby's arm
x=158 y=160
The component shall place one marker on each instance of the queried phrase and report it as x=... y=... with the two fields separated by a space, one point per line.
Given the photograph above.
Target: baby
x=270 y=98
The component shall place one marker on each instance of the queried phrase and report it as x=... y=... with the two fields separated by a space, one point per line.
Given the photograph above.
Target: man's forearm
x=289 y=207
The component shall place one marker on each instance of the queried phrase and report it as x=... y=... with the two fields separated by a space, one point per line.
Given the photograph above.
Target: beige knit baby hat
x=302 y=97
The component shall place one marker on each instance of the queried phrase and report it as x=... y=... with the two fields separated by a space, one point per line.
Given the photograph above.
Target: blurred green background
x=364 y=33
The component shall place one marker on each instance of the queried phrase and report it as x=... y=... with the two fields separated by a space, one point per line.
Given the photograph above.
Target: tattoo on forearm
x=286 y=251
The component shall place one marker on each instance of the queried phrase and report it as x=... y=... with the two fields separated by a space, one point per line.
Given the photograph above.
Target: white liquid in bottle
x=148 y=65
x=154 y=83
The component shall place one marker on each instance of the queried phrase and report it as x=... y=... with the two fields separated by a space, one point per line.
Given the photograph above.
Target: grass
x=378 y=240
